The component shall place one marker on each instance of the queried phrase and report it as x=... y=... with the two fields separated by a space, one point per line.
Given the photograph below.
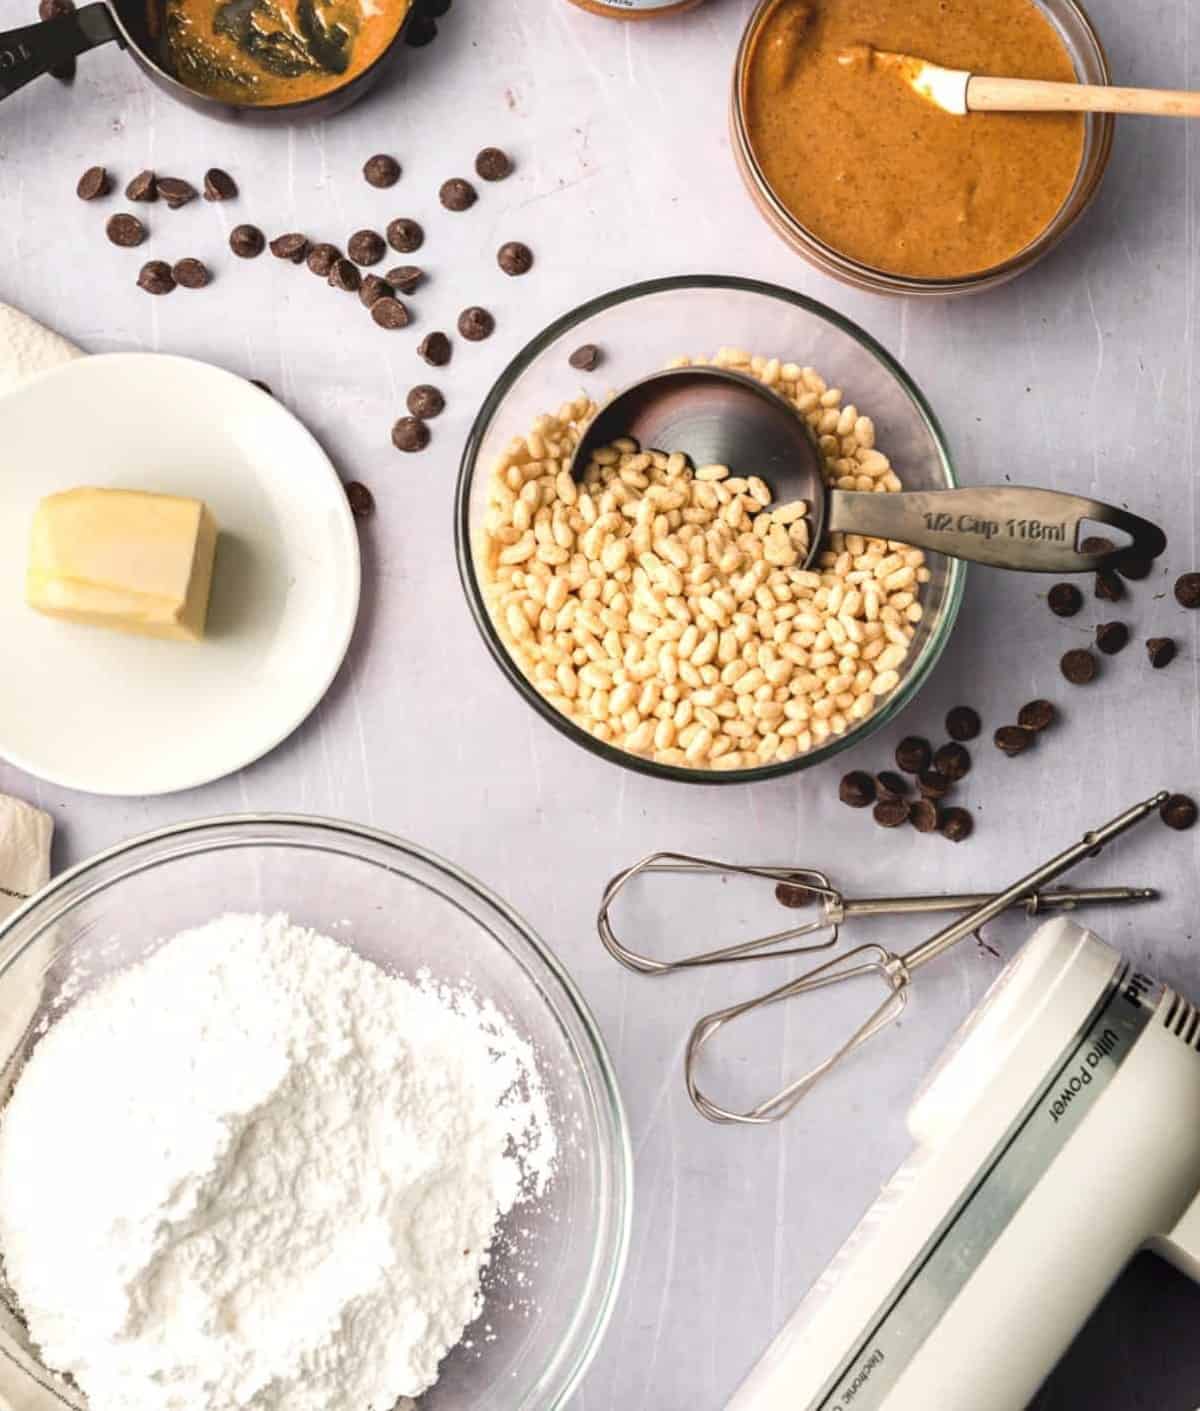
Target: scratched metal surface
x=1080 y=376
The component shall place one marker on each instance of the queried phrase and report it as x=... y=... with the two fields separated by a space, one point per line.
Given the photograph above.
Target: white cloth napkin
x=26 y=348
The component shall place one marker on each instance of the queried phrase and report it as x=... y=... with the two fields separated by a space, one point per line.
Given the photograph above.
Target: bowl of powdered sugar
x=297 y=1116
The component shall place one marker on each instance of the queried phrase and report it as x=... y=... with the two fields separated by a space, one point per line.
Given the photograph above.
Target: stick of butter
x=125 y=559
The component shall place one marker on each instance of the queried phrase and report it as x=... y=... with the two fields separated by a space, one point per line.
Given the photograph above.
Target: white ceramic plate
x=108 y=713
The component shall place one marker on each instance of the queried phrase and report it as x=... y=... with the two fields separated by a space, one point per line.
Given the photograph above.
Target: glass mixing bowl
x=548 y=1303
x=640 y=328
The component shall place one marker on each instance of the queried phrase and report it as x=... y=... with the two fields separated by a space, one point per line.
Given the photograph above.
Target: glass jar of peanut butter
x=636 y=9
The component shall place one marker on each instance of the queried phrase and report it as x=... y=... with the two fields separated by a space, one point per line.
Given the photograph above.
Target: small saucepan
x=135 y=25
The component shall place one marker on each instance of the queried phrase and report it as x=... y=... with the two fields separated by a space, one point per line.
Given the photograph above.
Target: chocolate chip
x=1109 y=588
x=913 y=754
x=1013 y=739
x=493 y=165
x=292 y=246
x=1065 y=600
x=956 y=824
x=191 y=274
x=924 y=816
x=410 y=434
x=362 y=502
x=174 y=191
x=405 y=235
x=125 y=230
x=794 y=895
x=586 y=358
x=373 y=289
x=389 y=313
x=963 y=723
x=515 y=258
x=381 y=170
x=143 y=187
x=247 y=241
x=156 y=277
x=421 y=30
x=1036 y=716
x=55 y=10
x=954 y=761
x=857 y=789
x=891 y=785
x=435 y=349
x=1187 y=590
x=1178 y=812
x=1161 y=651
x=219 y=185
x=933 y=784
x=1079 y=666
x=405 y=278
x=457 y=194
x=344 y=275
x=1111 y=637
x=322 y=258
x=476 y=324
x=426 y=401
x=1096 y=544
x=891 y=813
x=94 y=183
x=366 y=247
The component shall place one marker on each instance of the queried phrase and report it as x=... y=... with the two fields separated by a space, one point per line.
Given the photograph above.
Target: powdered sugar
x=292 y=1170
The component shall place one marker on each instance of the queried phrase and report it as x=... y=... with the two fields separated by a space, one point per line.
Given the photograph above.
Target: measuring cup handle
x=1006 y=526
x=35 y=49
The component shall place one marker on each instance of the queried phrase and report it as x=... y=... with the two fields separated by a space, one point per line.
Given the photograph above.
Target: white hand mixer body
x=1058 y=1135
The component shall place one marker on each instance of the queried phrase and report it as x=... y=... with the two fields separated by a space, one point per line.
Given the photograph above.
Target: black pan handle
x=35 y=49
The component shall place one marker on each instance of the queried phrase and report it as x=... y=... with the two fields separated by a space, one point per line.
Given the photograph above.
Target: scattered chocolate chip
x=1111 y=637
x=94 y=183
x=293 y=247
x=963 y=723
x=405 y=235
x=421 y=30
x=515 y=258
x=586 y=358
x=261 y=385
x=174 y=191
x=55 y=10
x=1079 y=666
x=191 y=274
x=1013 y=739
x=155 y=277
x=143 y=187
x=913 y=754
x=476 y=324
x=125 y=230
x=247 y=241
x=219 y=185
x=389 y=313
x=857 y=789
x=1187 y=590
x=1096 y=544
x=1109 y=588
x=362 y=502
x=891 y=813
x=891 y=785
x=1161 y=651
x=373 y=289
x=457 y=194
x=954 y=761
x=924 y=816
x=956 y=824
x=933 y=784
x=381 y=170
x=321 y=259
x=405 y=278
x=435 y=349
x=794 y=895
x=493 y=165
x=1178 y=812
x=1065 y=600
x=410 y=434
x=1036 y=715
x=426 y=401
x=366 y=247
x=344 y=275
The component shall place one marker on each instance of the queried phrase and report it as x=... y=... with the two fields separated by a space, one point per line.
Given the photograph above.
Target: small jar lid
x=636 y=9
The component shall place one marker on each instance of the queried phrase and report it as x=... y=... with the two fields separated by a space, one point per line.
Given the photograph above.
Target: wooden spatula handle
x=1028 y=95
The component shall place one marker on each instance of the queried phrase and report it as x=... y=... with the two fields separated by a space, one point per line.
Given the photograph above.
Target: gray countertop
x=1081 y=376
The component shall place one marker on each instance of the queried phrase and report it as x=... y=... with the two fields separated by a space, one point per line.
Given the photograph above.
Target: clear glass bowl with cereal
x=653 y=613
